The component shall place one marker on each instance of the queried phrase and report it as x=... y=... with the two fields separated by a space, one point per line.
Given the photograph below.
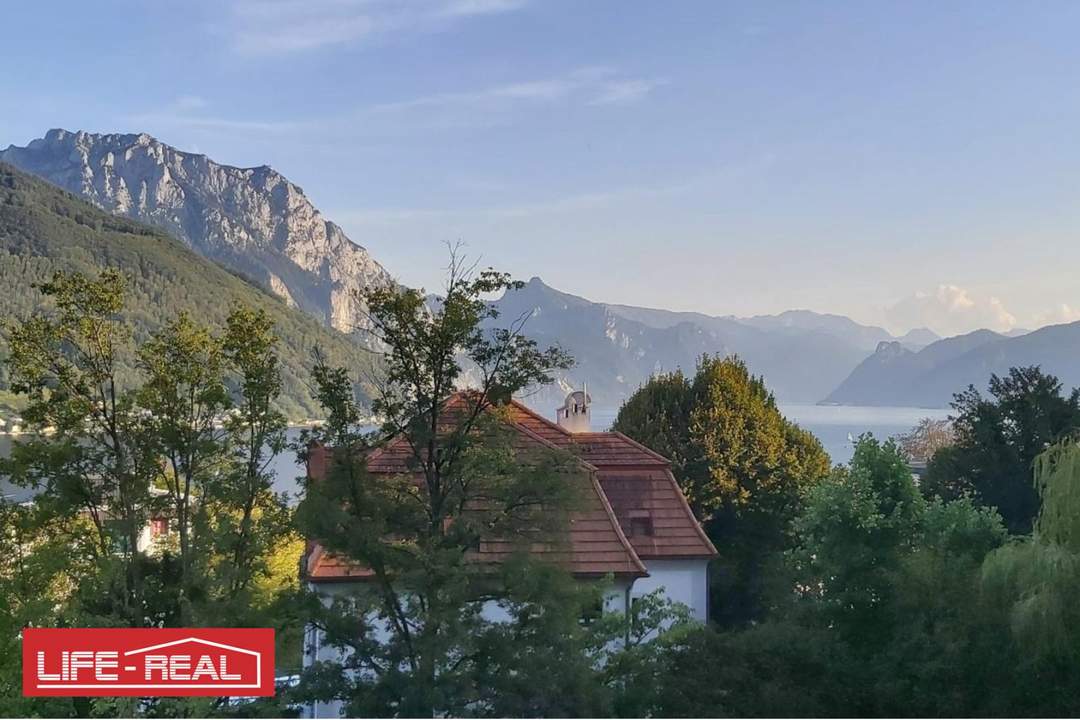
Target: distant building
x=634 y=524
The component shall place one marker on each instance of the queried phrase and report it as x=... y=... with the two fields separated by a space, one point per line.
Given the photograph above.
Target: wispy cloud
x=589 y=85
x=459 y=8
x=190 y=111
x=485 y=107
x=270 y=27
x=624 y=92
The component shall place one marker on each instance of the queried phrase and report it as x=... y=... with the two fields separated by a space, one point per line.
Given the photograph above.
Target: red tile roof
x=637 y=482
x=633 y=509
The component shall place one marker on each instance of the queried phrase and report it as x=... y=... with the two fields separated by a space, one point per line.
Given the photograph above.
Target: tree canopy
x=742 y=465
x=417 y=637
x=184 y=441
x=997 y=439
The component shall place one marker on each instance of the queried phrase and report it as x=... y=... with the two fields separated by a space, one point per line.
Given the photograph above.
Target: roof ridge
x=639 y=446
x=529 y=411
x=547 y=443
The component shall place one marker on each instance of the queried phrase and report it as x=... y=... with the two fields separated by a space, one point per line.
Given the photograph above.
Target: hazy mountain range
x=260 y=225
x=895 y=375
x=803 y=355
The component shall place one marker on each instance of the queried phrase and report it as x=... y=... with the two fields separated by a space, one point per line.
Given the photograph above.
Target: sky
x=905 y=164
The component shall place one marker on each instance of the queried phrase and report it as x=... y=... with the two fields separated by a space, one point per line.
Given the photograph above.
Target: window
x=641 y=525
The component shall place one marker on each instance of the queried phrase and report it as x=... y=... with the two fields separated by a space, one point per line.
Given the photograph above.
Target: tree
x=184 y=397
x=741 y=464
x=113 y=449
x=857 y=527
x=94 y=461
x=1039 y=576
x=250 y=516
x=997 y=440
x=417 y=640
x=924 y=440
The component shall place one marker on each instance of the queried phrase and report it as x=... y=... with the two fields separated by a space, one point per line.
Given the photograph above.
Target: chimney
x=575 y=413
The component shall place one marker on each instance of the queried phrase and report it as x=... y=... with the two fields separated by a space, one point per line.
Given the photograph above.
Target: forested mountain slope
x=44 y=229
x=252 y=220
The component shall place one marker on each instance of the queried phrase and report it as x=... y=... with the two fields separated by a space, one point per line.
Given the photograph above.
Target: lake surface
x=834 y=425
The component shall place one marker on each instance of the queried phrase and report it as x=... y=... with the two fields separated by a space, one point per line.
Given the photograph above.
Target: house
x=634 y=524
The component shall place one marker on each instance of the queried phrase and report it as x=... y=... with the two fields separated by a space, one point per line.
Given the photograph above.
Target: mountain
x=44 y=229
x=617 y=347
x=894 y=375
x=799 y=322
x=251 y=220
x=918 y=338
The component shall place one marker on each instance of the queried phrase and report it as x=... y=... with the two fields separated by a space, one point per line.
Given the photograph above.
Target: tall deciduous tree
x=93 y=461
x=741 y=464
x=184 y=398
x=417 y=639
x=997 y=440
x=104 y=442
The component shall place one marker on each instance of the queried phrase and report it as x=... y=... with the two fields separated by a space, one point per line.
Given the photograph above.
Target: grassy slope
x=43 y=229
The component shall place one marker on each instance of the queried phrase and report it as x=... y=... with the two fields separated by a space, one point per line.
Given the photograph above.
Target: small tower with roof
x=574 y=415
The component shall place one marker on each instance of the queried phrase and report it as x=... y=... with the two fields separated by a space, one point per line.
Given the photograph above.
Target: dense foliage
x=997 y=439
x=44 y=230
x=742 y=465
x=868 y=594
x=185 y=442
x=415 y=638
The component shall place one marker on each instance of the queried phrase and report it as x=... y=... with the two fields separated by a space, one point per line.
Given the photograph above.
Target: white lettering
x=158 y=663
x=178 y=663
x=42 y=675
x=205 y=667
x=102 y=661
x=79 y=659
x=225 y=670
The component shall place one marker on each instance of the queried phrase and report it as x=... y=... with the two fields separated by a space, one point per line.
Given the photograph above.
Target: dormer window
x=641 y=524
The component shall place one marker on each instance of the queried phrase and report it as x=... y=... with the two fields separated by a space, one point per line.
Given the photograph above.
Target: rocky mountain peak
x=252 y=220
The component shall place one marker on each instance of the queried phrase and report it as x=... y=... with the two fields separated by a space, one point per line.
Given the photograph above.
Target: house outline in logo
x=182 y=686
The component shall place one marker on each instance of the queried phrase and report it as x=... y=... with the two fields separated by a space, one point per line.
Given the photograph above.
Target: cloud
x=587 y=85
x=273 y=27
x=1063 y=313
x=624 y=92
x=950 y=310
x=187 y=111
x=481 y=7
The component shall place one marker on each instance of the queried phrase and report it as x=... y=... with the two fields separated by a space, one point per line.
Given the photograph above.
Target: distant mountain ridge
x=802 y=355
x=894 y=375
x=252 y=220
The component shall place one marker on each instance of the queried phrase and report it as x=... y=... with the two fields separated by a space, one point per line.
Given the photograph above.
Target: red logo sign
x=146 y=662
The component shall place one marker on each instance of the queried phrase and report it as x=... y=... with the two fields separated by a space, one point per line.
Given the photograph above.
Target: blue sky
x=902 y=163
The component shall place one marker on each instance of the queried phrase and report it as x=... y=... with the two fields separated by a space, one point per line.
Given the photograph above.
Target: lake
x=833 y=425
